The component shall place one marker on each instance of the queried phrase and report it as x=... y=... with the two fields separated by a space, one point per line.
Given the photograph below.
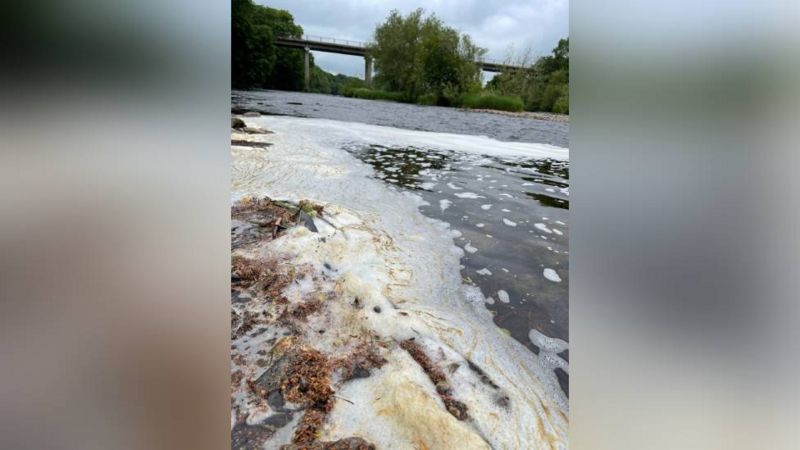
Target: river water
x=508 y=208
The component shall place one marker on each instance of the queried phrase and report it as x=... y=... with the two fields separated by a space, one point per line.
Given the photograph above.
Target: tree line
x=256 y=62
x=417 y=57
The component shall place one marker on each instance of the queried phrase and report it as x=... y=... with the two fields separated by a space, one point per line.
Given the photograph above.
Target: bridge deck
x=356 y=48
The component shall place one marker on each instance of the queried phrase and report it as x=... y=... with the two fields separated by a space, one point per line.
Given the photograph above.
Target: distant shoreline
x=551 y=117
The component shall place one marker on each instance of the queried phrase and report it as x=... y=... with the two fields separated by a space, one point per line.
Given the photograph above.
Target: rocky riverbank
x=551 y=117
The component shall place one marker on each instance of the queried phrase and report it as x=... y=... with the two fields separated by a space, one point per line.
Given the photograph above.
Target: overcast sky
x=502 y=26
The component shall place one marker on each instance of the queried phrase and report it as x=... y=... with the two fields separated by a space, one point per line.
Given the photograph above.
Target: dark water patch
x=494 y=215
x=403 y=167
x=546 y=200
x=563 y=380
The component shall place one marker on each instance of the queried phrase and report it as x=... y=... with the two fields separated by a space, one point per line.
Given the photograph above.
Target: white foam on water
x=510 y=223
x=386 y=252
x=503 y=296
x=444 y=204
x=549 y=348
x=469 y=248
x=428 y=186
x=549 y=344
x=505 y=210
x=454 y=187
x=338 y=132
x=484 y=271
x=468 y=195
x=416 y=198
x=543 y=227
x=551 y=275
x=486 y=207
x=557 y=231
x=480 y=225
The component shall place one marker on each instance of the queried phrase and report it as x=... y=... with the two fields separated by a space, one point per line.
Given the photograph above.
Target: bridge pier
x=307 y=72
x=368 y=70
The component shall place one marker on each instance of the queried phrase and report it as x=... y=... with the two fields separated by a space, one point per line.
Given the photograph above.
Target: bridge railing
x=327 y=40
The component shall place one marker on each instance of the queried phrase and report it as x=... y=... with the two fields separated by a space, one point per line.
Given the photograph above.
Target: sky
x=504 y=28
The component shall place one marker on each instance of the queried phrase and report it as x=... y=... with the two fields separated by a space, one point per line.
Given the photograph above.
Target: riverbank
x=487 y=103
x=551 y=117
x=351 y=324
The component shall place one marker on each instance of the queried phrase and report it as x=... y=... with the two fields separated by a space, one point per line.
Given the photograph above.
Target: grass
x=492 y=101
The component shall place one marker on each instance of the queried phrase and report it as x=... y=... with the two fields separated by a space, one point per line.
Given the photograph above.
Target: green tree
x=398 y=53
x=255 y=59
x=544 y=85
x=252 y=46
x=418 y=55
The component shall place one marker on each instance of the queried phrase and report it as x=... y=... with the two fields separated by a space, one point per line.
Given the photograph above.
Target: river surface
x=401 y=115
x=509 y=212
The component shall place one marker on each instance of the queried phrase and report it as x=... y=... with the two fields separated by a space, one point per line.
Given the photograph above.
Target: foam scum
x=350 y=326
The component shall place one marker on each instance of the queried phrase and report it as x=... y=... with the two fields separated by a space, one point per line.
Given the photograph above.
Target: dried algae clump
x=310 y=208
x=458 y=409
x=308 y=379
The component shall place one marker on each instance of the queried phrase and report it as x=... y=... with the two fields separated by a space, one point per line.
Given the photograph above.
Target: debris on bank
x=238 y=125
x=292 y=348
x=277 y=374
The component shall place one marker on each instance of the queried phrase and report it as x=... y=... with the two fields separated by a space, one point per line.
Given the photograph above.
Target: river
x=507 y=206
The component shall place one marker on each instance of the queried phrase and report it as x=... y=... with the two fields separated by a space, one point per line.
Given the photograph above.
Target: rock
x=254 y=144
x=360 y=372
x=279 y=420
x=250 y=436
x=237 y=123
x=306 y=220
x=270 y=380
x=249 y=130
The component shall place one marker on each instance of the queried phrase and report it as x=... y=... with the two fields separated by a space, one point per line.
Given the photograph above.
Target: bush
x=427 y=99
x=374 y=94
x=561 y=106
x=491 y=101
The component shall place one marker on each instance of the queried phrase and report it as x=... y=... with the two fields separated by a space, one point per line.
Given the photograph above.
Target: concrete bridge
x=356 y=48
